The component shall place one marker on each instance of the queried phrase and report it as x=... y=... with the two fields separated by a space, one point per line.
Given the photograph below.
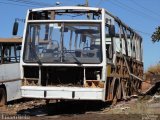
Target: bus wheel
x=3 y=99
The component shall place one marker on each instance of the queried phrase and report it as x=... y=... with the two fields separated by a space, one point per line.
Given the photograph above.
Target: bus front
x=63 y=54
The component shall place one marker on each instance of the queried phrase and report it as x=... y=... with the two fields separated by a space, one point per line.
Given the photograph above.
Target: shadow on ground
x=65 y=107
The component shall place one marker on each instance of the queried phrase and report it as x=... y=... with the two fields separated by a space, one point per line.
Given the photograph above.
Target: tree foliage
x=156 y=35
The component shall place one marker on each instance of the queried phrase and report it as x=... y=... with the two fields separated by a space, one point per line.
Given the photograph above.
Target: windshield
x=63 y=43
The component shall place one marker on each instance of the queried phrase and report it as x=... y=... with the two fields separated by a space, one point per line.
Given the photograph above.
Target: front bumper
x=72 y=93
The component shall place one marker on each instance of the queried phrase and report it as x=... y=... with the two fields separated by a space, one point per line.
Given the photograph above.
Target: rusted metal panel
x=11 y=40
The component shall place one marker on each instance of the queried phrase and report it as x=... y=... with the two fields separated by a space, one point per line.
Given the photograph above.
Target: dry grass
x=155 y=69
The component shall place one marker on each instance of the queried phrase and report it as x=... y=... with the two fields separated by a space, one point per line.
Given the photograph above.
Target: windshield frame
x=99 y=22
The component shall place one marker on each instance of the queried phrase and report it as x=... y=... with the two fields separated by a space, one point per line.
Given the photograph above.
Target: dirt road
x=134 y=109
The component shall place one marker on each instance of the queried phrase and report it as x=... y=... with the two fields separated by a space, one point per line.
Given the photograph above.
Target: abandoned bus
x=10 y=82
x=79 y=53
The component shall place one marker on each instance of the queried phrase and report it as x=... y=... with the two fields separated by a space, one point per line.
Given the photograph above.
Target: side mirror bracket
x=15 y=28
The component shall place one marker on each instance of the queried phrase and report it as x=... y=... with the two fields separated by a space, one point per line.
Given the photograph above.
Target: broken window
x=63 y=43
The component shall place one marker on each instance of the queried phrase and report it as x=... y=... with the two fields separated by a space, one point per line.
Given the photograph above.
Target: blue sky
x=141 y=15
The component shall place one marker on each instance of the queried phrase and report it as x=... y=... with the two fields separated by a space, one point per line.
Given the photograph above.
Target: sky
x=141 y=15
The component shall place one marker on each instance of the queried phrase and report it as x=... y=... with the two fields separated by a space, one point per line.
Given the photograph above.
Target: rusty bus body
x=79 y=53
x=10 y=82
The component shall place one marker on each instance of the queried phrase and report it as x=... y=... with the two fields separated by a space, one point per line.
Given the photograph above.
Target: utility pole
x=87 y=3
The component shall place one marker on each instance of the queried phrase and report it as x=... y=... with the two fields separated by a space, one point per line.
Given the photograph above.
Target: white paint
x=62 y=92
x=75 y=21
x=13 y=90
x=8 y=72
x=67 y=8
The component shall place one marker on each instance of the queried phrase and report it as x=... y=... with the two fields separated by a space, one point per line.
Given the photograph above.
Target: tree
x=156 y=35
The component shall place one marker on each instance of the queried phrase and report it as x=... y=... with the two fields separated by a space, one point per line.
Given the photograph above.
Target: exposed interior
x=61 y=76
x=69 y=14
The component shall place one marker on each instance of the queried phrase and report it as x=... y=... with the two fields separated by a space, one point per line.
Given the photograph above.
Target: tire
x=3 y=97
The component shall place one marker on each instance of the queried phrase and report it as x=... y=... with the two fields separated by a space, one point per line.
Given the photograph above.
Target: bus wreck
x=79 y=53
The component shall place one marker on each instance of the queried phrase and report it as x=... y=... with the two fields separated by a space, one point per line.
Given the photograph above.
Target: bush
x=152 y=70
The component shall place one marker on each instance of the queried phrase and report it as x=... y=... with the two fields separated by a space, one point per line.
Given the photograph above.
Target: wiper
x=77 y=61
x=38 y=60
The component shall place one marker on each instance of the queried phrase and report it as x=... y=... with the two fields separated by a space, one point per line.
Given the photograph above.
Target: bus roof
x=67 y=8
x=83 y=8
x=11 y=40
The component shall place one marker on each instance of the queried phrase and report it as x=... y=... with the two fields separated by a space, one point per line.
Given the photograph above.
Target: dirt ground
x=140 y=108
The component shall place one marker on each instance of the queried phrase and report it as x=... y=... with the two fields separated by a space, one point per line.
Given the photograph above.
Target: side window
x=118 y=43
x=9 y=53
x=108 y=42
